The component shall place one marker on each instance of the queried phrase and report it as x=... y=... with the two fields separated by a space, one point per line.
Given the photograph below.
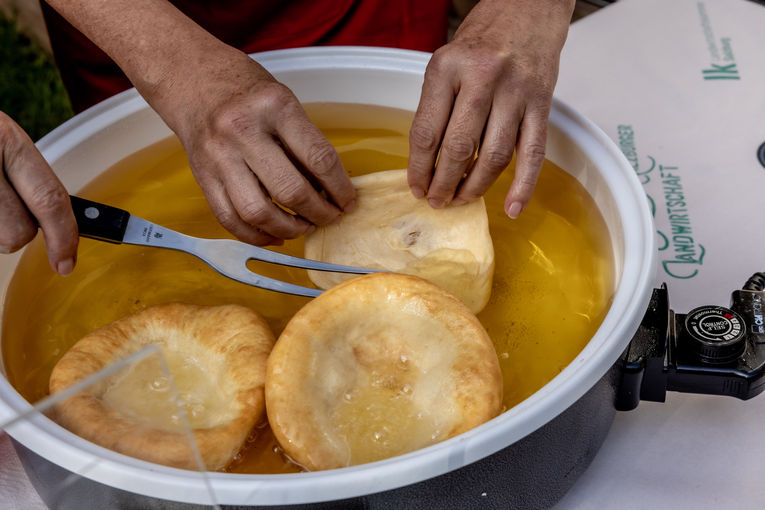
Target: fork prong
x=288 y=288
x=264 y=255
x=264 y=282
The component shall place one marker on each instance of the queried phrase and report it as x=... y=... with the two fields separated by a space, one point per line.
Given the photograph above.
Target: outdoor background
x=30 y=88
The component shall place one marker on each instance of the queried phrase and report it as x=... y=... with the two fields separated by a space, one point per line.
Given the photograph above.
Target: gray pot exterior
x=533 y=473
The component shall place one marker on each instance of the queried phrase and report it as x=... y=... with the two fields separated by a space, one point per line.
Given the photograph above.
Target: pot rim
x=630 y=297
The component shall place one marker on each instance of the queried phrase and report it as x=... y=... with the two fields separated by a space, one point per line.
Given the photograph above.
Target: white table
x=693 y=451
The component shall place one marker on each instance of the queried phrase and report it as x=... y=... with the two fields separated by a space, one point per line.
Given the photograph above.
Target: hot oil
x=552 y=285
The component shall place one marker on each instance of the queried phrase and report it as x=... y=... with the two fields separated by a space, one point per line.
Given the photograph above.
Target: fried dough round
x=378 y=366
x=217 y=360
x=392 y=230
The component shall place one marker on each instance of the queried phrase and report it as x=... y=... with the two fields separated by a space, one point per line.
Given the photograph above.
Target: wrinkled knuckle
x=241 y=117
x=230 y=121
x=534 y=152
x=460 y=147
x=48 y=200
x=441 y=61
x=322 y=158
x=498 y=157
x=528 y=181
x=478 y=102
x=227 y=217
x=292 y=195
x=275 y=97
x=254 y=213
x=422 y=137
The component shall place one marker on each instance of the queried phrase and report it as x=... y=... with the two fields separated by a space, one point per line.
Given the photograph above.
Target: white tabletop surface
x=692 y=451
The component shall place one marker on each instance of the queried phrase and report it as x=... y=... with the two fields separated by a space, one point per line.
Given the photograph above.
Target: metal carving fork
x=228 y=257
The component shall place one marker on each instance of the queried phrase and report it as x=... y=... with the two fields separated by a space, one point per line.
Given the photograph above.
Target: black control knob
x=716 y=334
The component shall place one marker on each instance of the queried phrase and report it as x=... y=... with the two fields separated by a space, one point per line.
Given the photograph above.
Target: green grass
x=31 y=91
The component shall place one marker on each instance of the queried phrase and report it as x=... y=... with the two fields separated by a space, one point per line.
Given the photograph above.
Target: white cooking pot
x=96 y=139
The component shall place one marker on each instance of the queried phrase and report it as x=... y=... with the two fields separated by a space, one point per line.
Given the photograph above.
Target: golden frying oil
x=552 y=286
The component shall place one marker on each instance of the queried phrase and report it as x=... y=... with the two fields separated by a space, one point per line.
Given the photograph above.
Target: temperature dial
x=717 y=334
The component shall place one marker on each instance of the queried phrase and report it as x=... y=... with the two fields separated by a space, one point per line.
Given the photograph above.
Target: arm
x=247 y=137
x=30 y=193
x=488 y=91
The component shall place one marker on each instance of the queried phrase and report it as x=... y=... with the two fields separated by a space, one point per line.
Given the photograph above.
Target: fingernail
x=5 y=250
x=514 y=210
x=65 y=267
x=459 y=201
x=310 y=229
x=436 y=203
x=418 y=192
x=350 y=207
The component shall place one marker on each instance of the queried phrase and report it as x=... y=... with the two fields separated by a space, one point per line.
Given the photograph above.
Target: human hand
x=29 y=191
x=250 y=145
x=254 y=152
x=488 y=91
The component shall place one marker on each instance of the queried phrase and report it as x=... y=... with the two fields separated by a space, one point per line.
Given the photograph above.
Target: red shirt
x=90 y=76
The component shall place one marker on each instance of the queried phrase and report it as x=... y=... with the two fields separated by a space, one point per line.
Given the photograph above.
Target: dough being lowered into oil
x=390 y=229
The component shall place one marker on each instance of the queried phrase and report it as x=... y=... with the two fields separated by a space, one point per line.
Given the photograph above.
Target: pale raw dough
x=392 y=230
x=217 y=359
x=378 y=366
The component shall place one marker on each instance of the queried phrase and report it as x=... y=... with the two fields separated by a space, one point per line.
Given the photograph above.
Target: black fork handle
x=99 y=221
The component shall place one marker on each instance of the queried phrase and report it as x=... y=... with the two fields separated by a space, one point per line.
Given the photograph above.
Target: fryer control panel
x=712 y=349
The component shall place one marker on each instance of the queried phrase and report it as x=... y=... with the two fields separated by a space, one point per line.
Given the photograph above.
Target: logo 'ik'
x=719 y=72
